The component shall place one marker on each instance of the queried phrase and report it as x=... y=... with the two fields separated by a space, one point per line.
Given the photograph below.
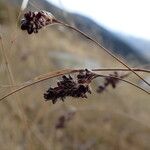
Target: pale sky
x=127 y=16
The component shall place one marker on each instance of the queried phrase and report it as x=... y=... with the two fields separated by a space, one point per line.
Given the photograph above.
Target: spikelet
x=71 y=87
x=34 y=21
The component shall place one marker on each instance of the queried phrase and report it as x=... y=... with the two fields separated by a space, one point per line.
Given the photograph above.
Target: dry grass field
x=117 y=119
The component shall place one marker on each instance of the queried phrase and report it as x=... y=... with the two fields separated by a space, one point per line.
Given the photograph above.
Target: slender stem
x=105 y=49
x=95 y=70
x=6 y=60
x=57 y=74
x=12 y=81
x=122 y=69
x=99 y=70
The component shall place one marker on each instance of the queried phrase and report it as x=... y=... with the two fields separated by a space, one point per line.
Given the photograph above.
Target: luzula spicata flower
x=33 y=21
x=77 y=87
x=112 y=80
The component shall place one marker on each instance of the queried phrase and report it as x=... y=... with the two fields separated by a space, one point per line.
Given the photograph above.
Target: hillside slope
x=107 y=38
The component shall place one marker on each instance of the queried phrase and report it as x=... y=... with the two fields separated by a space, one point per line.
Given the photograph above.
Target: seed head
x=34 y=21
x=112 y=80
x=77 y=87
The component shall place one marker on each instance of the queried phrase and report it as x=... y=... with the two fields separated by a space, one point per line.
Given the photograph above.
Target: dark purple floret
x=34 y=21
x=68 y=86
x=112 y=80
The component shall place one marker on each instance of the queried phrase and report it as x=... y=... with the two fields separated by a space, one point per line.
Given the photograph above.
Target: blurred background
x=117 y=119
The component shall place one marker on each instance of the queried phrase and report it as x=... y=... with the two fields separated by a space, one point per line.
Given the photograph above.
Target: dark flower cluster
x=33 y=21
x=64 y=119
x=112 y=80
x=77 y=87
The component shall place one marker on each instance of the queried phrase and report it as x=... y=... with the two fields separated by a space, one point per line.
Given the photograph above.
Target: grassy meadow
x=117 y=119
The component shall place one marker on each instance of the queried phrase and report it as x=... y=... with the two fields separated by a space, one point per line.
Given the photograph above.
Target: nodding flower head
x=33 y=21
x=77 y=87
x=112 y=80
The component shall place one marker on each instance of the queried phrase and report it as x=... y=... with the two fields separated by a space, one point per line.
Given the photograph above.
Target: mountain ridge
x=142 y=45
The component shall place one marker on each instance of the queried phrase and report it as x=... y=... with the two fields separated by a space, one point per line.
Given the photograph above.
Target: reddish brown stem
x=57 y=74
x=122 y=69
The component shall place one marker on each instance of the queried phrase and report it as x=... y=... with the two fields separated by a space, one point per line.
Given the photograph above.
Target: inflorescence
x=77 y=87
x=111 y=80
x=33 y=21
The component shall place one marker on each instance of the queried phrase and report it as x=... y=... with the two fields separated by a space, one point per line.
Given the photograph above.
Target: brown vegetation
x=114 y=119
